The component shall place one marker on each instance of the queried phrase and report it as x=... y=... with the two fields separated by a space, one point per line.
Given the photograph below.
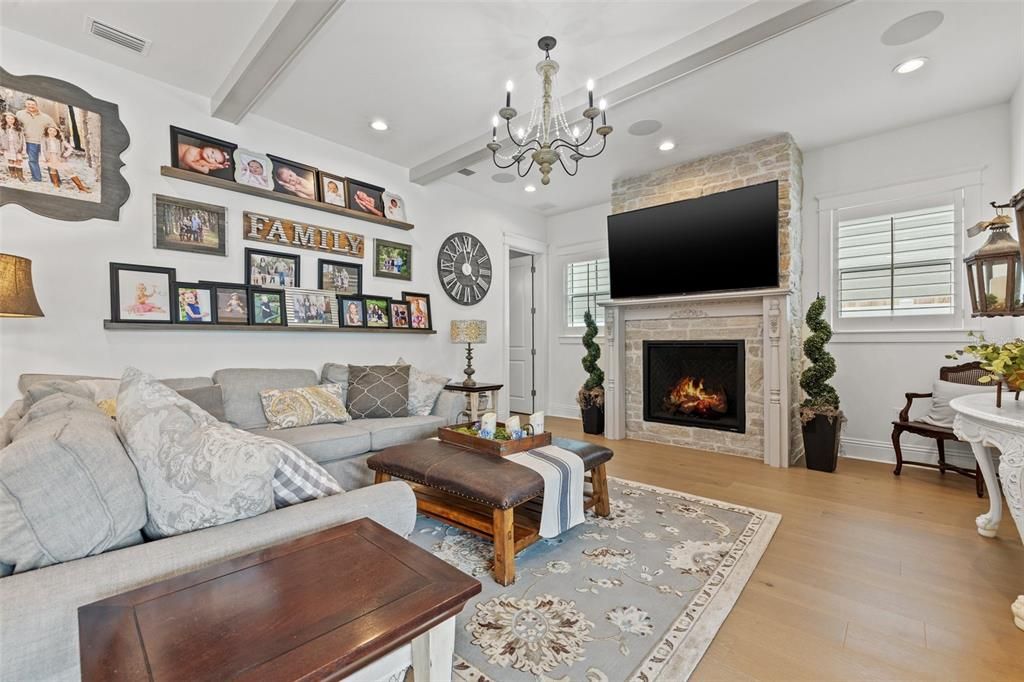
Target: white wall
x=874 y=373
x=577 y=235
x=1017 y=135
x=70 y=259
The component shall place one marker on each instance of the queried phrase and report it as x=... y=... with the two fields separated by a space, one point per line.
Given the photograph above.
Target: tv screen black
x=723 y=241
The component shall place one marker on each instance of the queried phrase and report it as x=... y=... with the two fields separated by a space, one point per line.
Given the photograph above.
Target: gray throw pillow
x=941 y=414
x=423 y=389
x=45 y=389
x=67 y=491
x=378 y=391
x=208 y=398
x=333 y=373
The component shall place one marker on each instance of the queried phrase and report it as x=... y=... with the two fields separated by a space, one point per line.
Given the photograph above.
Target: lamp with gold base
x=17 y=297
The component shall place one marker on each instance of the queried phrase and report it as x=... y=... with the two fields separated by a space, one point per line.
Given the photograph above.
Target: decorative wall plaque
x=270 y=230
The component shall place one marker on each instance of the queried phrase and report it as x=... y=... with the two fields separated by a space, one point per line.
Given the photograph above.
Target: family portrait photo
x=202 y=154
x=353 y=313
x=340 y=277
x=49 y=147
x=195 y=303
x=253 y=169
x=180 y=225
x=231 y=302
x=377 y=312
x=419 y=310
x=399 y=315
x=392 y=259
x=296 y=179
x=332 y=189
x=311 y=308
x=394 y=206
x=140 y=293
x=271 y=270
x=365 y=197
x=267 y=306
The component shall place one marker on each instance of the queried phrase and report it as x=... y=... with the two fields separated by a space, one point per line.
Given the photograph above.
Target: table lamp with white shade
x=469 y=332
x=17 y=296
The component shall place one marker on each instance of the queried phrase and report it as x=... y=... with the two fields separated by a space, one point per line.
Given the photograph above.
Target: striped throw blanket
x=563 y=487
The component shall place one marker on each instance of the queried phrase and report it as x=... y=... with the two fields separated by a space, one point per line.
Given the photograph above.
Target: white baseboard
x=881 y=451
x=566 y=410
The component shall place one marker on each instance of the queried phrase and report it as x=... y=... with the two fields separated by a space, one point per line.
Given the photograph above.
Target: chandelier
x=548 y=139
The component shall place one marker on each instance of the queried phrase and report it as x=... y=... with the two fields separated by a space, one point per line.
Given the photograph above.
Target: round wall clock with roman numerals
x=464 y=267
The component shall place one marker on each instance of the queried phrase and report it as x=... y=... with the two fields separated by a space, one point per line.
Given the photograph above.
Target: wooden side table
x=345 y=600
x=473 y=397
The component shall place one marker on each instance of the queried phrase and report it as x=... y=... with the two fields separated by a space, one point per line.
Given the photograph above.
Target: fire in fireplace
x=695 y=383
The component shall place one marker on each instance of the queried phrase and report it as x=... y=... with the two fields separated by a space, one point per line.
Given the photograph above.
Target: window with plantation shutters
x=586 y=284
x=897 y=264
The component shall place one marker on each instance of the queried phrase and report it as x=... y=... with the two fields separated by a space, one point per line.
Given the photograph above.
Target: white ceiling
x=436 y=71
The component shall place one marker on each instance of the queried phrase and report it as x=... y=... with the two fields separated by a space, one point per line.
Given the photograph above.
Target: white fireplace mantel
x=770 y=304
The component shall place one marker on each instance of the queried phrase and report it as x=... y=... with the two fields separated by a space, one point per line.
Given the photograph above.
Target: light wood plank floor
x=869 y=576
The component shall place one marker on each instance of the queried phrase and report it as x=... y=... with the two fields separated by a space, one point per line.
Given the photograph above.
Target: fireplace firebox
x=695 y=383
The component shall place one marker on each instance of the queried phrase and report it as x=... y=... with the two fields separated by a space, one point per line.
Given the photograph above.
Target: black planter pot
x=593 y=420
x=821 y=442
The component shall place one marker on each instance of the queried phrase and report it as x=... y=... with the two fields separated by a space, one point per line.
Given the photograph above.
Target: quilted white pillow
x=423 y=390
x=941 y=414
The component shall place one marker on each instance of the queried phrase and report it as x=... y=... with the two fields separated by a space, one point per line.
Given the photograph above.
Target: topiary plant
x=592 y=393
x=821 y=397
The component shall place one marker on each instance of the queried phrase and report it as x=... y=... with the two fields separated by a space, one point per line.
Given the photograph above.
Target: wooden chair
x=967 y=374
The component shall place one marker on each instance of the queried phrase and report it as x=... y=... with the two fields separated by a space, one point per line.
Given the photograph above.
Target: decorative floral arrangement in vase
x=1004 y=363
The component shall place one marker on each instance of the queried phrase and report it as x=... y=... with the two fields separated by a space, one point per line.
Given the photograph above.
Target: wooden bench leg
x=504 y=546
x=599 y=481
x=381 y=477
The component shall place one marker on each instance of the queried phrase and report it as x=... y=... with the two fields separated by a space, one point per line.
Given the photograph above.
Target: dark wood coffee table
x=317 y=608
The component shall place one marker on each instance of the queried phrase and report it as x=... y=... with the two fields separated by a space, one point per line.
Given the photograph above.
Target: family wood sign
x=270 y=230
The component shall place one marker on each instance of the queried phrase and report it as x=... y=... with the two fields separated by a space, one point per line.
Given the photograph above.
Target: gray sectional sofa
x=39 y=623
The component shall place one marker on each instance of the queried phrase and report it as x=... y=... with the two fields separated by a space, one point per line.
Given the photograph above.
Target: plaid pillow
x=297 y=479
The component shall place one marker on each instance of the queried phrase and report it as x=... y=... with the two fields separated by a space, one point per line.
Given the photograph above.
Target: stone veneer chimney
x=768 y=321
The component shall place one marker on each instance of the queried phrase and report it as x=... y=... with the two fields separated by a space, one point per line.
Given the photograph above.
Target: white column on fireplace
x=708 y=316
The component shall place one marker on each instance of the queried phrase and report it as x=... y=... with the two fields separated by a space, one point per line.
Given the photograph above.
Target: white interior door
x=520 y=355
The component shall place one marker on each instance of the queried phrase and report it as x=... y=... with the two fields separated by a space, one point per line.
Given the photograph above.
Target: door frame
x=539 y=251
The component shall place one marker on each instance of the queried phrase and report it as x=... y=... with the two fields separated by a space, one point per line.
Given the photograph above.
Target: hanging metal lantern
x=994 y=271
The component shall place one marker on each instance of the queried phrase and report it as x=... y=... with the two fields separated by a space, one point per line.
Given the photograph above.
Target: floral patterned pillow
x=289 y=408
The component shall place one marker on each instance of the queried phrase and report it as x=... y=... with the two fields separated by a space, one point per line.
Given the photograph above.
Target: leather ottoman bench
x=487 y=495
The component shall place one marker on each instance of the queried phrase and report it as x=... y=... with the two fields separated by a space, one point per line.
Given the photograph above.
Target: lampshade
x=17 y=297
x=469 y=331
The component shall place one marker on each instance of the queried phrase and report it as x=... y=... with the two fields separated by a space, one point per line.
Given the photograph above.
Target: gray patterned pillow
x=423 y=389
x=378 y=391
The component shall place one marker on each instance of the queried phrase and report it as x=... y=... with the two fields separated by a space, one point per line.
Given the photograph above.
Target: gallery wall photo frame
x=202 y=154
x=342 y=277
x=272 y=269
x=392 y=259
x=351 y=311
x=195 y=303
x=399 y=314
x=311 y=308
x=142 y=294
x=230 y=302
x=364 y=197
x=420 y=316
x=192 y=226
x=332 y=188
x=266 y=307
x=92 y=136
x=254 y=169
x=294 y=178
x=378 y=311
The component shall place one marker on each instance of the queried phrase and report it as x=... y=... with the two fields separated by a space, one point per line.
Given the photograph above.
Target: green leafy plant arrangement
x=821 y=396
x=1004 y=362
x=592 y=393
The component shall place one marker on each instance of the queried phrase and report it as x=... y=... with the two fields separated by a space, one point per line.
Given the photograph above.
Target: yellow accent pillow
x=289 y=408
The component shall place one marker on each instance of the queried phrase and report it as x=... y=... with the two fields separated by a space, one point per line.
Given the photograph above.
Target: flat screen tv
x=720 y=242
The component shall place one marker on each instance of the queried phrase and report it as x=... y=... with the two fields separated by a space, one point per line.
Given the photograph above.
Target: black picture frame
x=399 y=311
x=369 y=300
x=343 y=302
x=357 y=269
x=373 y=191
x=114 y=139
x=115 y=294
x=255 y=307
x=162 y=238
x=297 y=268
x=282 y=164
x=182 y=136
x=426 y=301
x=197 y=286
x=379 y=262
x=229 y=288
x=323 y=177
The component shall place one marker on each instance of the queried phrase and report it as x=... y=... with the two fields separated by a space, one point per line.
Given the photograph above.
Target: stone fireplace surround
x=767 y=320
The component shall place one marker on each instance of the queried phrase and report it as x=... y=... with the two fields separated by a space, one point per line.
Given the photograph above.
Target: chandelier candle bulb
x=590 y=92
x=508 y=94
x=604 y=114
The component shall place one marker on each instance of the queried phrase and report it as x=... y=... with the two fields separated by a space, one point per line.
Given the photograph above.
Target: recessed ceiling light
x=379 y=124
x=529 y=188
x=667 y=146
x=910 y=66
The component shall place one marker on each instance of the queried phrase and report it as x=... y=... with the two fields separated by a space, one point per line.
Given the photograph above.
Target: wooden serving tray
x=499 y=448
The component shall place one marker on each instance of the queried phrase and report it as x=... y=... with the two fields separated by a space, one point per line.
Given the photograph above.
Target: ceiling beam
x=739 y=31
x=290 y=25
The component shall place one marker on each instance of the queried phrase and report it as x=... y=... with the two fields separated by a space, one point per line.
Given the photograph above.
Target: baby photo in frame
x=294 y=178
x=266 y=307
x=142 y=293
x=200 y=153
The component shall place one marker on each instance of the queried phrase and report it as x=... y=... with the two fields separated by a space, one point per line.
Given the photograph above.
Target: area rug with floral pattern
x=638 y=595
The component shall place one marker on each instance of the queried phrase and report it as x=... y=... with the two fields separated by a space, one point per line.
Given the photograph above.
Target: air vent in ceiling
x=116 y=36
x=467 y=172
